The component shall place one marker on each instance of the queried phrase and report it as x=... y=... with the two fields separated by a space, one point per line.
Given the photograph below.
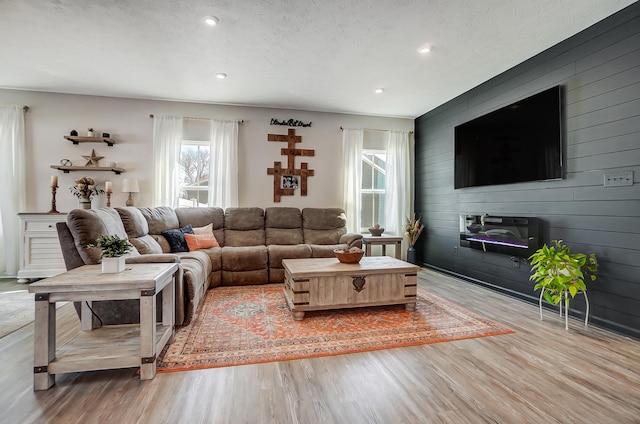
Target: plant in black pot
x=560 y=275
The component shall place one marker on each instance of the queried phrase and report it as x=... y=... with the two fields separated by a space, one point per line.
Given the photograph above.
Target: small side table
x=110 y=346
x=383 y=240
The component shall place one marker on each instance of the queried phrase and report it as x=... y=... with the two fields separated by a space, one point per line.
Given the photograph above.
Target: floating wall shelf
x=67 y=169
x=76 y=140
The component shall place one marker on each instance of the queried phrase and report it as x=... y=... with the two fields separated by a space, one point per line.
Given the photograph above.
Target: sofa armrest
x=153 y=258
x=179 y=283
x=352 y=239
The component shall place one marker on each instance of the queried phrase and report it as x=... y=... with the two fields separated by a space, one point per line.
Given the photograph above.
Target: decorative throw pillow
x=201 y=241
x=164 y=244
x=203 y=230
x=146 y=244
x=176 y=239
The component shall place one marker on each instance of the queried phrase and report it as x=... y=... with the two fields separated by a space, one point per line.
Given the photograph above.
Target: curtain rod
x=240 y=121
x=373 y=129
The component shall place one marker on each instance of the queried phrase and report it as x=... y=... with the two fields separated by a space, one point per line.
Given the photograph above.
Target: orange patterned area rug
x=252 y=324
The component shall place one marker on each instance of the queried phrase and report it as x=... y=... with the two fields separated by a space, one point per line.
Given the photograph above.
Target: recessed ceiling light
x=424 y=49
x=379 y=90
x=211 y=20
x=220 y=75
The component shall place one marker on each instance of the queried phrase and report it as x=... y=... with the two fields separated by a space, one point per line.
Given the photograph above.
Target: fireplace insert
x=508 y=235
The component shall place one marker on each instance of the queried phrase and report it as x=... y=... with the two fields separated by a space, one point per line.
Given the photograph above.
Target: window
x=193 y=178
x=373 y=188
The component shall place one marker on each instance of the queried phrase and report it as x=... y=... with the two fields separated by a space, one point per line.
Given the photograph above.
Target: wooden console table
x=107 y=347
x=383 y=240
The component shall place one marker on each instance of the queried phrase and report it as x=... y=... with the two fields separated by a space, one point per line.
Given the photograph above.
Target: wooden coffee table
x=325 y=283
x=110 y=346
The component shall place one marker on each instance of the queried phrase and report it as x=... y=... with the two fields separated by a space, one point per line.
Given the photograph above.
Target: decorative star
x=93 y=159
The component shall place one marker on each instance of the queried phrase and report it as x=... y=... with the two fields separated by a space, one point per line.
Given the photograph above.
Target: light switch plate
x=616 y=179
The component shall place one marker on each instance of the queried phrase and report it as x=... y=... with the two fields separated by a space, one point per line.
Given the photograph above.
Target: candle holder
x=53 y=199
x=108 y=199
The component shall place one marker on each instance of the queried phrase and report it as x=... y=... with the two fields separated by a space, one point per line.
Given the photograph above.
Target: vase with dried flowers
x=412 y=229
x=84 y=190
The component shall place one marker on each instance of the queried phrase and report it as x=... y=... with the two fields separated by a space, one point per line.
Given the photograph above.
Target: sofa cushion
x=283 y=225
x=279 y=252
x=323 y=225
x=146 y=245
x=162 y=242
x=137 y=229
x=160 y=218
x=215 y=257
x=134 y=222
x=244 y=258
x=244 y=227
x=176 y=240
x=87 y=225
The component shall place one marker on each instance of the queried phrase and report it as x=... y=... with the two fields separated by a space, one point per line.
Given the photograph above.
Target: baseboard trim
x=532 y=299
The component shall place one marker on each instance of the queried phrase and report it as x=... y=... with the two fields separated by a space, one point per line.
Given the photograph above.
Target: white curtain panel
x=352 y=141
x=397 y=205
x=13 y=189
x=167 y=137
x=223 y=183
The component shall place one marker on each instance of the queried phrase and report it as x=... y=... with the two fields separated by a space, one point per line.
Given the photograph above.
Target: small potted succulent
x=91 y=132
x=113 y=248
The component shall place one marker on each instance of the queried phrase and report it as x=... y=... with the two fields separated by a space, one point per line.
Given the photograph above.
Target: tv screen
x=519 y=142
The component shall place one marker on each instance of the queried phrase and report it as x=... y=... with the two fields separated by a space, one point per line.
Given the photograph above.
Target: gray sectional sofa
x=252 y=244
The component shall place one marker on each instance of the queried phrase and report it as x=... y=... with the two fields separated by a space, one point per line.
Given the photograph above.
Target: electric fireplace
x=508 y=235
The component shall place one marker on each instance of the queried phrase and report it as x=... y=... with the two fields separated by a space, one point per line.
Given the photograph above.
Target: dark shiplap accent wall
x=599 y=70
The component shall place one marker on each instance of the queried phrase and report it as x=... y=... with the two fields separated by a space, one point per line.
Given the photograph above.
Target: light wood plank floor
x=540 y=374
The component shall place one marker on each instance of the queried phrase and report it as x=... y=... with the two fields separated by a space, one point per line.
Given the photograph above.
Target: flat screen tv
x=517 y=143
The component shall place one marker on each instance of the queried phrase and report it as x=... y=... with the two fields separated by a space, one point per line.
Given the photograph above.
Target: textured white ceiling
x=320 y=55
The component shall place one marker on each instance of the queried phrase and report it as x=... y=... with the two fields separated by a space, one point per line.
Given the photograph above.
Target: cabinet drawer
x=40 y=226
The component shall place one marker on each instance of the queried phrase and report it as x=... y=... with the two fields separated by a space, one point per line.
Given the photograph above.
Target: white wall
x=52 y=116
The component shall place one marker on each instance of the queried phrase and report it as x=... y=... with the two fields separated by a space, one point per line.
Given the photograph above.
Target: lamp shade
x=130 y=186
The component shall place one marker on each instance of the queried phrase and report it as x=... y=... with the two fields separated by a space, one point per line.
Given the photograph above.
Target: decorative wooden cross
x=291 y=152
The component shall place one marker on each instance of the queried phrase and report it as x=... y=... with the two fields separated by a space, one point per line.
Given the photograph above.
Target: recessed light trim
x=379 y=90
x=424 y=49
x=221 y=75
x=211 y=20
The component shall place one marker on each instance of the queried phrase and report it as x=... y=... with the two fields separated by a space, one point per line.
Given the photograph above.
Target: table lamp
x=130 y=186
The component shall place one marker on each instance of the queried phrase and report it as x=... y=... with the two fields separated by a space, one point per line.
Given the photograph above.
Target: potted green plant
x=560 y=274
x=91 y=132
x=112 y=250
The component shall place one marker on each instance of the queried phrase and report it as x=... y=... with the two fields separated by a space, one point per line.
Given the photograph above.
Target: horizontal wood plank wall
x=599 y=70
